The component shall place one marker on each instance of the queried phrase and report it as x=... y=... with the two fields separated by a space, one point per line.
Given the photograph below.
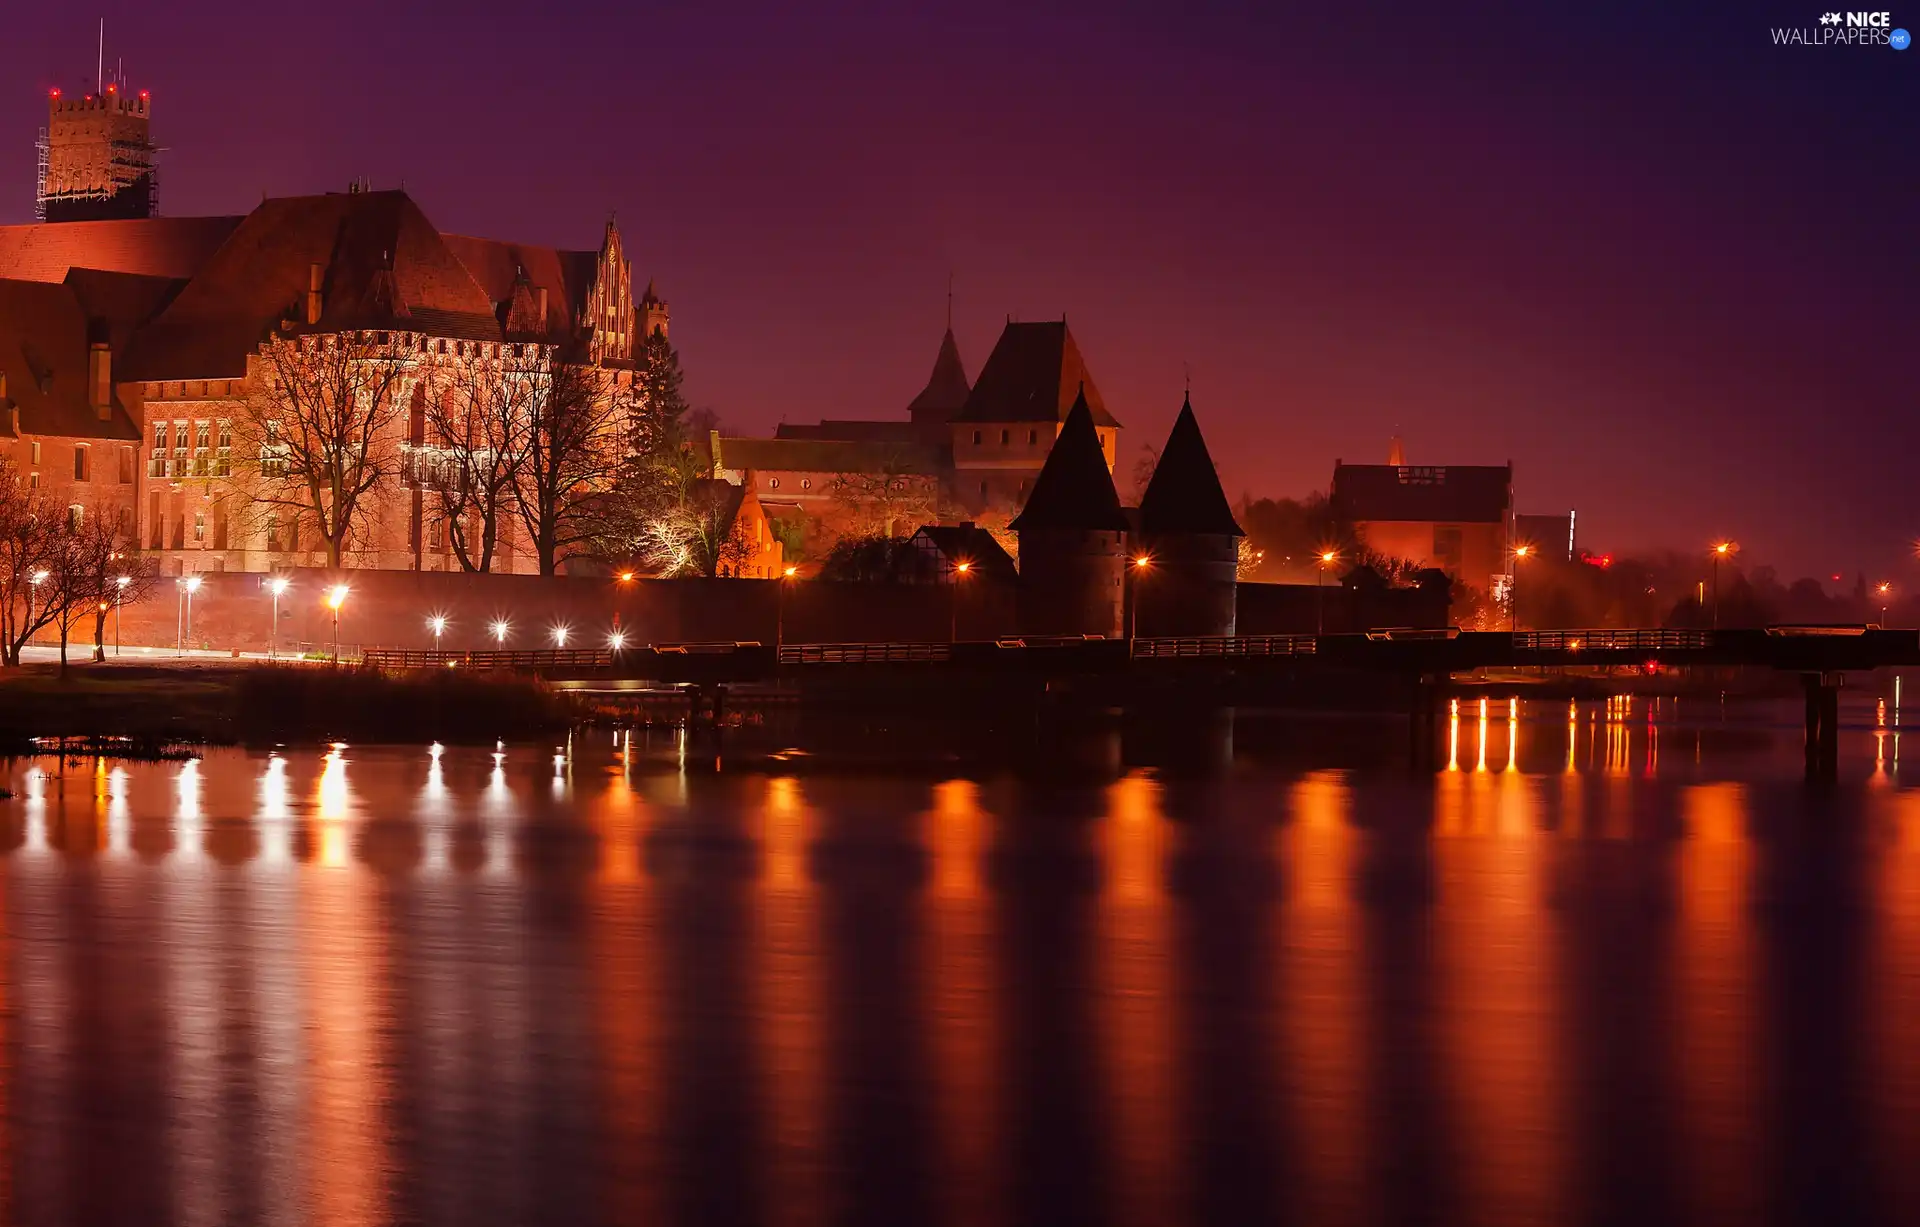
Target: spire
x=947 y=388
x=650 y=296
x=1075 y=488
x=1184 y=494
x=1396 y=451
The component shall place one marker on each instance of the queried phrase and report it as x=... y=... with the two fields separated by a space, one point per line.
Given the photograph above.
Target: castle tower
x=97 y=158
x=947 y=388
x=1073 y=537
x=1190 y=540
x=653 y=313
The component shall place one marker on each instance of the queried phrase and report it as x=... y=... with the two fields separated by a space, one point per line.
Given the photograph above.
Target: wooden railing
x=1653 y=639
x=1237 y=647
x=866 y=653
x=535 y=659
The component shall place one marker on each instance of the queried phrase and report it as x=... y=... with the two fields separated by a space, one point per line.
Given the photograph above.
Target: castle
x=129 y=343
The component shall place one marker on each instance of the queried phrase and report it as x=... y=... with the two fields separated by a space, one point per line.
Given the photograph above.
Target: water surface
x=1616 y=964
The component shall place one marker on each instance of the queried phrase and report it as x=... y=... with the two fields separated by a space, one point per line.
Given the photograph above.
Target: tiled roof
x=973 y=545
x=1184 y=494
x=45 y=352
x=946 y=392
x=153 y=247
x=1448 y=494
x=384 y=266
x=827 y=456
x=865 y=432
x=495 y=265
x=1034 y=374
x=121 y=302
x=1075 y=488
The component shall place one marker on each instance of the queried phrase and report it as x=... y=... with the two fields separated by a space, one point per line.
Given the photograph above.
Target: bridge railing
x=1650 y=639
x=517 y=658
x=866 y=653
x=1239 y=646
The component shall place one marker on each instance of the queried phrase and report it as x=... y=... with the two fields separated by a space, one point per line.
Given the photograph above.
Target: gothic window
x=199 y=527
x=80 y=463
x=223 y=458
x=34 y=452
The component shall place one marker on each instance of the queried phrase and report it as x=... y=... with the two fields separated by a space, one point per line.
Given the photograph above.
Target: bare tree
x=572 y=455
x=30 y=545
x=890 y=501
x=698 y=534
x=98 y=570
x=478 y=424
x=320 y=431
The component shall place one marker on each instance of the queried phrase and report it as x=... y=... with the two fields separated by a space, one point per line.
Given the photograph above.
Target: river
x=1615 y=963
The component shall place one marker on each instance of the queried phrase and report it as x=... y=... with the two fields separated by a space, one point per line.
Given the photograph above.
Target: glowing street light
x=183 y=623
x=1884 y=589
x=500 y=628
x=560 y=636
x=278 y=587
x=439 y=624
x=1520 y=554
x=119 y=595
x=961 y=570
x=626 y=577
x=617 y=640
x=1326 y=560
x=336 y=597
x=1721 y=549
x=1136 y=571
x=780 y=610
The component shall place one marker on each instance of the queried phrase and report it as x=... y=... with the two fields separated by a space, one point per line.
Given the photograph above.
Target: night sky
x=1663 y=265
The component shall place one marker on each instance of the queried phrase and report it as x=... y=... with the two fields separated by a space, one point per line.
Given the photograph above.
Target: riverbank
x=155 y=706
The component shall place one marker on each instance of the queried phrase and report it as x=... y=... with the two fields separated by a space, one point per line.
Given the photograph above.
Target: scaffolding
x=132 y=167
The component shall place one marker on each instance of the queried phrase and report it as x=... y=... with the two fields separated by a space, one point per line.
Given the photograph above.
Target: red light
x=143 y=93
x=112 y=88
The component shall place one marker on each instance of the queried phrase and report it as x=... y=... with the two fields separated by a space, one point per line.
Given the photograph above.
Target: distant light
x=1329 y=556
x=1142 y=561
x=560 y=636
x=500 y=629
x=53 y=93
x=790 y=572
x=193 y=584
x=38 y=577
x=112 y=88
x=1885 y=588
x=123 y=581
x=337 y=597
x=617 y=640
x=1521 y=551
x=145 y=94
x=438 y=624
x=626 y=577
x=963 y=567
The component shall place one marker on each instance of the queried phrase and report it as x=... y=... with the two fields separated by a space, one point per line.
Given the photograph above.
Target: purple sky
x=1665 y=266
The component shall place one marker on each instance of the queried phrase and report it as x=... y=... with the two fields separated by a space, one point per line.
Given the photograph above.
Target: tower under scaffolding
x=97 y=160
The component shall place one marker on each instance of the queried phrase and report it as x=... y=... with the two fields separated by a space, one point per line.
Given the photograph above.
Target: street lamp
x=961 y=570
x=560 y=636
x=500 y=628
x=1135 y=573
x=617 y=640
x=336 y=597
x=1884 y=589
x=1326 y=560
x=439 y=624
x=1720 y=550
x=1520 y=554
x=119 y=596
x=183 y=626
x=278 y=586
x=780 y=611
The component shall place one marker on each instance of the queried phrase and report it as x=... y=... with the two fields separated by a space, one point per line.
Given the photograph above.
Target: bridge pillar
x=1823 y=724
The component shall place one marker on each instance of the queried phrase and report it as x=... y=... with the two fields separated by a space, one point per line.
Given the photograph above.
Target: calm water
x=1615 y=966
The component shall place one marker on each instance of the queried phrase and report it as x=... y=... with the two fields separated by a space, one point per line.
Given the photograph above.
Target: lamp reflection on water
x=276 y=813
x=187 y=816
x=336 y=841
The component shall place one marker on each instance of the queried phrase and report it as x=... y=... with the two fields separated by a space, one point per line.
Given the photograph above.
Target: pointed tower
x=946 y=392
x=1190 y=539
x=1073 y=538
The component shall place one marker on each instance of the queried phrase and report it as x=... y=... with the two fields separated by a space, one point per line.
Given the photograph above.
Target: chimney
x=313 y=293
x=542 y=301
x=100 y=380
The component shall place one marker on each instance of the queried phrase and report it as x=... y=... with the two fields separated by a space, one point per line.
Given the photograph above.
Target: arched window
x=773 y=483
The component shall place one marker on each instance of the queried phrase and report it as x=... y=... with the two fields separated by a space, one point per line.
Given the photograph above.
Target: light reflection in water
x=334 y=804
x=1716 y=1058
x=790 y=1010
x=957 y=984
x=187 y=817
x=119 y=813
x=276 y=812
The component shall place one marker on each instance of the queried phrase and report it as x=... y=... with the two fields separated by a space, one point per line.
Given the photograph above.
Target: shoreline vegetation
x=152 y=711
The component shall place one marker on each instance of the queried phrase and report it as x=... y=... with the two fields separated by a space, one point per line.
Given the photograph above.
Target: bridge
x=1821 y=655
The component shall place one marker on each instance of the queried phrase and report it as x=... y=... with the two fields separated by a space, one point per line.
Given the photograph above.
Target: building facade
x=1454 y=518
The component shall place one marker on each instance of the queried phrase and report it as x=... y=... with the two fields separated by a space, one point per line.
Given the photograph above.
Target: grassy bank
x=154 y=705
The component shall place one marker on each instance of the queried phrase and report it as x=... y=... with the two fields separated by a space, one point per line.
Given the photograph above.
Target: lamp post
x=1721 y=550
x=559 y=636
x=438 y=624
x=780 y=612
x=961 y=570
x=1326 y=560
x=119 y=599
x=278 y=586
x=1520 y=554
x=500 y=628
x=1136 y=573
x=1884 y=590
x=336 y=597
x=183 y=626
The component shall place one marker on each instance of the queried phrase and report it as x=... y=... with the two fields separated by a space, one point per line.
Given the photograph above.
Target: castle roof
x=496 y=265
x=1075 y=488
x=1457 y=494
x=384 y=266
x=153 y=246
x=947 y=390
x=790 y=455
x=1034 y=374
x=45 y=351
x=1184 y=494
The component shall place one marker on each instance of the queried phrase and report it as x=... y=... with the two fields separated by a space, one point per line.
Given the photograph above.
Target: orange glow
x=336 y=597
x=1522 y=551
x=963 y=567
x=1142 y=561
x=790 y=571
x=626 y=577
x=1329 y=556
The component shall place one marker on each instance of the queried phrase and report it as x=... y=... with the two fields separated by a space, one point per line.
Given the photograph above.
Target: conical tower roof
x=1184 y=494
x=1075 y=487
x=946 y=392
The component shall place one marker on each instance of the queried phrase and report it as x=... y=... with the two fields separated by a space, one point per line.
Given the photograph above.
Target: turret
x=1073 y=537
x=946 y=392
x=653 y=313
x=1188 y=585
